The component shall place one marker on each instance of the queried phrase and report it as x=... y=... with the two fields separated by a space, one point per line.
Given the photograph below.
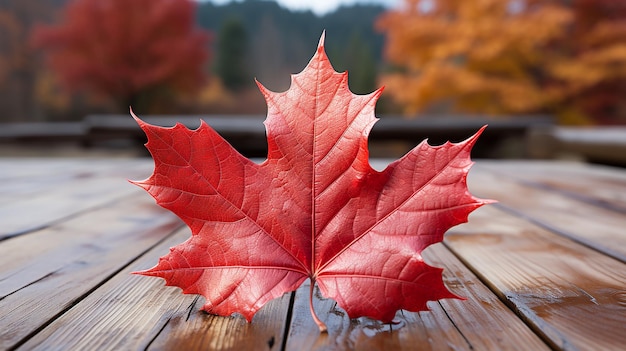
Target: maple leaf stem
x=319 y=323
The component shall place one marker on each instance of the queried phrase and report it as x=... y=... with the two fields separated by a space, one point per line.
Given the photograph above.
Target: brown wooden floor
x=544 y=268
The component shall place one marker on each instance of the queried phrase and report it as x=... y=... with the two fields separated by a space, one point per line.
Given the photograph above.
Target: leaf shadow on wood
x=482 y=321
x=193 y=329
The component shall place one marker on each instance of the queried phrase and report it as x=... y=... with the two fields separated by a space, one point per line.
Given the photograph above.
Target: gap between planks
x=481 y=322
x=593 y=226
x=599 y=186
x=66 y=262
x=136 y=312
x=571 y=295
x=81 y=190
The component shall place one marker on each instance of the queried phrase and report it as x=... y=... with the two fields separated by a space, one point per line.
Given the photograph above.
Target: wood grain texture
x=573 y=296
x=48 y=196
x=45 y=272
x=125 y=313
x=597 y=185
x=541 y=269
x=430 y=330
x=140 y=313
x=481 y=322
x=594 y=226
x=21 y=178
x=484 y=320
x=197 y=330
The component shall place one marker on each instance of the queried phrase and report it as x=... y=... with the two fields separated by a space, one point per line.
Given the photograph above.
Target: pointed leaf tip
x=139 y=121
x=322 y=38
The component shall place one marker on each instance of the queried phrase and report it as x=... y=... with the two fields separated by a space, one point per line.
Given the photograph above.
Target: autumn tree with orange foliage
x=475 y=55
x=592 y=70
x=140 y=53
x=501 y=57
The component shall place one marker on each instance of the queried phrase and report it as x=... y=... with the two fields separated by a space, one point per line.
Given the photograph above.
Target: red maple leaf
x=315 y=209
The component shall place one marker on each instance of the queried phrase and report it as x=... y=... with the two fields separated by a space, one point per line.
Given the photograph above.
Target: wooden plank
x=21 y=178
x=197 y=330
x=573 y=296
x=29 y=258
x=555 y=211
x=482 y=318
x=45 y=272
x=430 y=330
x=20 y=169
x=481 y=322
x=45 y=173
x=597 y=185
x=44 y=209
x=132 y=312
x=42 y=203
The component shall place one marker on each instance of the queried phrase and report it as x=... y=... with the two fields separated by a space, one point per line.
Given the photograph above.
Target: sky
x=321 y=7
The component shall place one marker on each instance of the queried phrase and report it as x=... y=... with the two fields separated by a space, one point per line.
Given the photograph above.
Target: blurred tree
x=566 y=57
x=593 y=69
x=356 y=58
x=270 y=65
x=232 y=48
x=281 y=41
x=10 y=31
x=19 y=65
x=483 y=56
x=140 y=53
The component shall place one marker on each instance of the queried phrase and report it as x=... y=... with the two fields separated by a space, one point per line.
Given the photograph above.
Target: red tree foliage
x=130 y=51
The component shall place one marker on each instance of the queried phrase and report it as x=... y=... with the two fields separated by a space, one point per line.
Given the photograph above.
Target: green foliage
x=232 y=47
x=280 y=40
x=358 y=59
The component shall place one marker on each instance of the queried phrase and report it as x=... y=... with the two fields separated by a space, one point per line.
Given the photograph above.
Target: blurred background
x=549 y=76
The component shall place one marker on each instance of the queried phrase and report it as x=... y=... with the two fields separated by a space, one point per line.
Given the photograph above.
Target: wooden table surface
x=542 y=269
